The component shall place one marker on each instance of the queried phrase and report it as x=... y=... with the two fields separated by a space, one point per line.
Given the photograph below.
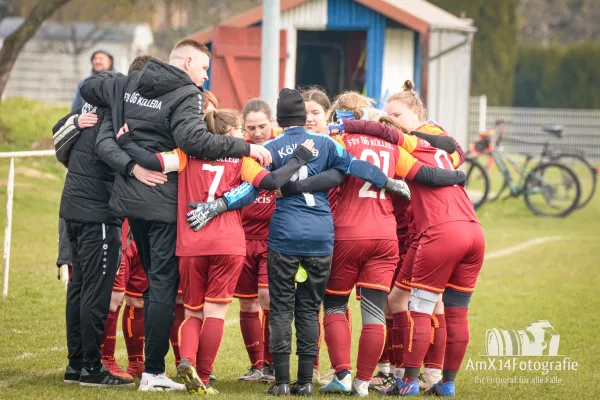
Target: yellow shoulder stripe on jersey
x=431 y=129
x=250 y=169
x=339 y=139
x=410 y=143
x=405 y=163
x=455 y=159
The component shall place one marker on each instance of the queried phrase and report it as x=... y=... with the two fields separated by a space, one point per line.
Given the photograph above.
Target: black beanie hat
x=291 y=110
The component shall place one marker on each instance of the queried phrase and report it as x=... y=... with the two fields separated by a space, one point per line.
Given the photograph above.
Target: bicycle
x=575 y=159
x=532 y=180
x=478 y=182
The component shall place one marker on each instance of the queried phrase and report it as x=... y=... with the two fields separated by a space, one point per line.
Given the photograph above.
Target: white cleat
x=360 y=387
x=429 y=377
x=151 y=382
x=336 y=386
x=328 y=377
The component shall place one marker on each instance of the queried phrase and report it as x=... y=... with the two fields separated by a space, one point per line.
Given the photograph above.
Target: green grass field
x=556 y=280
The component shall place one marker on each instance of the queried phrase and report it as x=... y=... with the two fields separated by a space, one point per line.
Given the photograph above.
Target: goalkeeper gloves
x=203 y=213
x=398 y=186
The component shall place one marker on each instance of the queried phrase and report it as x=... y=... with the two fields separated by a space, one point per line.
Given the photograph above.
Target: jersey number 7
x=219 y=169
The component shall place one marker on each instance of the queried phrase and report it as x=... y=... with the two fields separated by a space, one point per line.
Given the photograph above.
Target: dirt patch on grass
x=34 y=173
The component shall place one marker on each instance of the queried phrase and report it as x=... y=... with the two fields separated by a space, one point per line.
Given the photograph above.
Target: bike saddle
x=556 y=130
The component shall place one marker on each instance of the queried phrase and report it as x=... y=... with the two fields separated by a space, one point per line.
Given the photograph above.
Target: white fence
x=581 y=127
x=10 y=187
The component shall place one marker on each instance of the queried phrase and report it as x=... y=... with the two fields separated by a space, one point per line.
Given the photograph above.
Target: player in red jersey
x=128 y=284
x=211 y=260
x=317 y=111
x=440 y=216
x=132 y=281
x=366 y=257
x=210 y=103
x=252 y=288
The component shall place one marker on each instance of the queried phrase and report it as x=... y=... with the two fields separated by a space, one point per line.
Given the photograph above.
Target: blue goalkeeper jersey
x=302 y=224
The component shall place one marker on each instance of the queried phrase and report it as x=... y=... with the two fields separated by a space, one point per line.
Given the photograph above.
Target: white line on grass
x=514 y=249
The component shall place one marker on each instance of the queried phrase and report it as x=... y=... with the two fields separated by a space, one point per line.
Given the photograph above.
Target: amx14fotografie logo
x=535 y=348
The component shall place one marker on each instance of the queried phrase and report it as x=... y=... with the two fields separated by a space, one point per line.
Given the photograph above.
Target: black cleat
x=72 y=375
x=103 y=378
x=305 y=389
x=283 y=389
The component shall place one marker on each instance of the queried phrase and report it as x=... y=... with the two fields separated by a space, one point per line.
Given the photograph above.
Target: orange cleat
x=136 y=368
x=112 y=366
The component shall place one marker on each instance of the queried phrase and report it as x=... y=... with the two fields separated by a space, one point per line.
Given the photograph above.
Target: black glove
x=203 y=213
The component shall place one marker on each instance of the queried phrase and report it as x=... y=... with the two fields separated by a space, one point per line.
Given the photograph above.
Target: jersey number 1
x=365 y=190
x=219 y=169
x=300 y=175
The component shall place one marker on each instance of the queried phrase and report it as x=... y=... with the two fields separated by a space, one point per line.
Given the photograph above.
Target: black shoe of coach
x=164 y=111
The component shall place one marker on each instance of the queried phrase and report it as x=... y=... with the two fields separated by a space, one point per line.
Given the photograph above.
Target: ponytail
x=219 y=122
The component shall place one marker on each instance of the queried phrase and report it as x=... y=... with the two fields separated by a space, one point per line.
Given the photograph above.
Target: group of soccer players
x=413 y=263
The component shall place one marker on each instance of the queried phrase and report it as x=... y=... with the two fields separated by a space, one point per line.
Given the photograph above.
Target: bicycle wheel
x=584 y=171
x=478 y=183
x=552 y=185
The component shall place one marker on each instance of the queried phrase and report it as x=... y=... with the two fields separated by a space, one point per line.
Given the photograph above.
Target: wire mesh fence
x=524 y=127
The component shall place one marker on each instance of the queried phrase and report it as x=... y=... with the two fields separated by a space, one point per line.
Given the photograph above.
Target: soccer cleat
x=211 y=390
x=316 y=377
x=283 y=389
x=112 y=367
x=152 y=382
x=441 y=389
x=253 y=375
x=190 y=377
x=136 y=368
x=328 y=377
x=71 y=375
x=398 y=187
x=429 y=377
x=343 y=386
x=268 y=374
x=103 y=378
x=212 y=378
x=360 y=388
x=401 y=388
x=305 y=389
x=381 y=381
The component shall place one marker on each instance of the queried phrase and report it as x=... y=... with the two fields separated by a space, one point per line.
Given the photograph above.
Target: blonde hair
x=219 y=122
x=256 y=105
x=410 y=98
x=351 y=101
x=318 y=96
x=210 y=98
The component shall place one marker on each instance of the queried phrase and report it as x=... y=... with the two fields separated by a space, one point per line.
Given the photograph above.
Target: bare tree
x=15 y=42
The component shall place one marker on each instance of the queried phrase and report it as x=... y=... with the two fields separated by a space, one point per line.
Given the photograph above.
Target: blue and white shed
x=371 y=46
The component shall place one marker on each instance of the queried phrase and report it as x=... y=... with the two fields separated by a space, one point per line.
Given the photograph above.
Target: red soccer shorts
x=209 y=279
x=254 y=274
x=449 y=255
x=404 y=274
x=366 y=263
x=131 y=279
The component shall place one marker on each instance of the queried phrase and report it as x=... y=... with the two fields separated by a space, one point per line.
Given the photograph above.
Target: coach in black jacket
x=94 y=234
x=163 y=107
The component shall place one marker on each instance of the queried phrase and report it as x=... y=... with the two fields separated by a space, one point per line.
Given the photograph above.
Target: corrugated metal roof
x=83 y=30
x=436 y=17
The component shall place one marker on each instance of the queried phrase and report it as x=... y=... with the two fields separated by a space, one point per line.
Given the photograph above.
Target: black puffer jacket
x=89 y=182
x=164 y=110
